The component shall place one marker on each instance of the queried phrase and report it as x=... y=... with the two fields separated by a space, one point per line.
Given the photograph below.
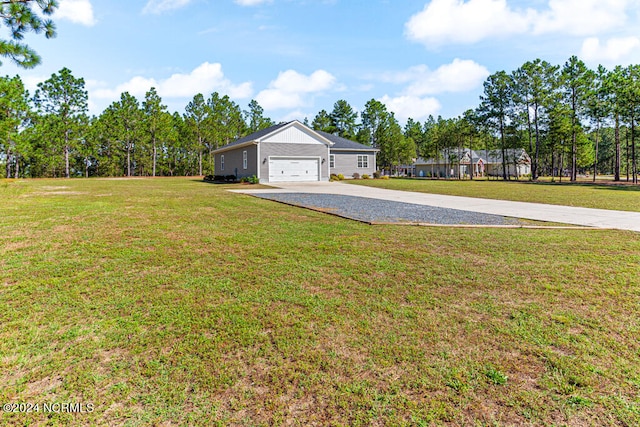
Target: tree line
x=50 y=134
x=570 y=119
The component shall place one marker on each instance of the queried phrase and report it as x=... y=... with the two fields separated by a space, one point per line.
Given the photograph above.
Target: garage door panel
x=283 y=170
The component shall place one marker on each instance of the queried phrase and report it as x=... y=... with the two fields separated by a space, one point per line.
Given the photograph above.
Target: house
x=460 y=162
x=451 y=163
x=293 y=152
x=516 y=163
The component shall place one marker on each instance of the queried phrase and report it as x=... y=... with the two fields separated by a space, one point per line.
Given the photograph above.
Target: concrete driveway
x=599 y=218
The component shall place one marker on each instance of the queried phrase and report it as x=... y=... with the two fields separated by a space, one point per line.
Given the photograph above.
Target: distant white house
x=462 y=162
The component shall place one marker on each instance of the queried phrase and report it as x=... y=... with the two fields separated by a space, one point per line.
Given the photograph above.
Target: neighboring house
x=293 y=152
x=452 y=163
x=460 y=162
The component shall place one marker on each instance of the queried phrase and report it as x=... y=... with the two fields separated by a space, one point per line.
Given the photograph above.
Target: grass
x=174 y=302
x=601 y=196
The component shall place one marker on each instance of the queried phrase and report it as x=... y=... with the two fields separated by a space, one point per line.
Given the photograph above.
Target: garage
x=292 y=169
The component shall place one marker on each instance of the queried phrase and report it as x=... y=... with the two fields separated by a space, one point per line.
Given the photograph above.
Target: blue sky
x=297 y=57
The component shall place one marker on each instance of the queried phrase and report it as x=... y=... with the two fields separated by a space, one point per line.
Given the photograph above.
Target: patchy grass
x=602 y=196
x=174 y=302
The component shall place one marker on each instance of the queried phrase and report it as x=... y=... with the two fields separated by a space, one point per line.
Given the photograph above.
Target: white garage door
x=283 y=170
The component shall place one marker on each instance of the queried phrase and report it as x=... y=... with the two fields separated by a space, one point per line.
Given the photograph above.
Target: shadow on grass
x=621 y=186
x=612 y=185
x=215 y=182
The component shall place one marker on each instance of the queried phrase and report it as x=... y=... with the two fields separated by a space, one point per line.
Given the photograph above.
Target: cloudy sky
x=297 y=57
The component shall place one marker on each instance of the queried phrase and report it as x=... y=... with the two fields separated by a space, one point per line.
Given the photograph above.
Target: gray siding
x=436 y=170
x=511 y=169
x=346 y=163
x=268 y=149
x=233 y=162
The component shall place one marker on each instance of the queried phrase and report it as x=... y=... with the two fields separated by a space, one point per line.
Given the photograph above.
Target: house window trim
x=245 y=159
x=222 y=162
x=363 y=161
x=332 y=160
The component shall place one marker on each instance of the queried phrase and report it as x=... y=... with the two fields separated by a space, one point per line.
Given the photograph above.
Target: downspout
x=258 y=157
x=328 y=164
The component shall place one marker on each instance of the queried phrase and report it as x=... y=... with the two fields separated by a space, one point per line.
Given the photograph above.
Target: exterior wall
x=444 y=171
x=346 y=163
x=495 y=169
x=318 y=150
x=233 y=162
x=437 y=170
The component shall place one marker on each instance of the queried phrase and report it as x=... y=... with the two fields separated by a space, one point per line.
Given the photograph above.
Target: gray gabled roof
x=337 y=143
x=517 y=155
x=340 y=143
x=253 y=137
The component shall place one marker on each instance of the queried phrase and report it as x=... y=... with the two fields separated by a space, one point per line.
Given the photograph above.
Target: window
x=363 y=161
x=222 y=162
x=332 y=160
x=244 y=160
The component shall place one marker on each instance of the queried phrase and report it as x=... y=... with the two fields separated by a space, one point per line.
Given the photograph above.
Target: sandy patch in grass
x=15 y=246
x=54 y=187
x=54 y=193
x=44 y=386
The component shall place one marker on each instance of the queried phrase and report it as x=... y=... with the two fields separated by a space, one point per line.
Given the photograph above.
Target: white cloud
x=581 y=17
x=469 y=21
x=287 y=90
x=457 y=21
x=205 y=79
x=292 y=81
x=251 y=2
x=77 y=11
x=160 y=6
x=137 y=86
x=458 y=76
x=411 y=106
x=273 y=99
x=31 y=82
x=612 y=52
x=293 y=115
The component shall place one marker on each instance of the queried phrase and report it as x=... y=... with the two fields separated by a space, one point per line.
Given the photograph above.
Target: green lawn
x=174 y=302
x=602 y=196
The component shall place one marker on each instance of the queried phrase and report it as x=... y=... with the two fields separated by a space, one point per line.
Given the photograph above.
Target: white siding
x=293 y=135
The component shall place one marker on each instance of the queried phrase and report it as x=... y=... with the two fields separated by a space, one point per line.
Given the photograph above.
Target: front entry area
x=294 y=169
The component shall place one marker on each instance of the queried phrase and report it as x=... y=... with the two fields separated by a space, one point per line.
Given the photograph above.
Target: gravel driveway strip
x=575 y=217
x=384 y=211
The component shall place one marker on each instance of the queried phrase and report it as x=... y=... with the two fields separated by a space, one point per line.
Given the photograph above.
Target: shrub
x=356 y=175
x=365 y=176
x=334 y=177
x=376 y=175
x=250 y=179
x=230 y=178
x=209 y=178
x=218 y=178
x=340 y=177
x=384 y=177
